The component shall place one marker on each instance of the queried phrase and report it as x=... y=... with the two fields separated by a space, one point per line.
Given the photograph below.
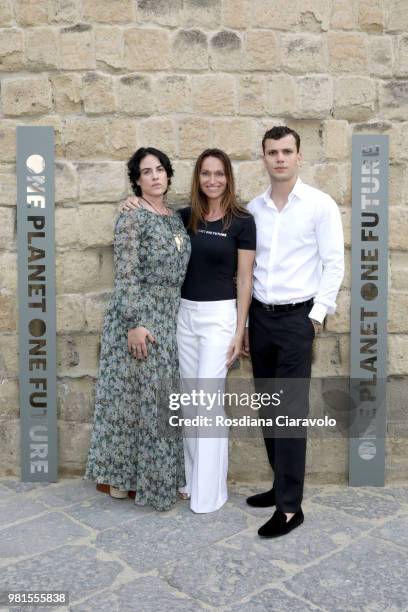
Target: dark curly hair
x=134 y=166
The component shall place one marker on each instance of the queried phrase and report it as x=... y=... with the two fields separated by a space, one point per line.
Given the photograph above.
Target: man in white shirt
x=299 y=267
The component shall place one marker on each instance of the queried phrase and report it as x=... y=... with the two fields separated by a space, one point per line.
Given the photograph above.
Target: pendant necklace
x=178 y=237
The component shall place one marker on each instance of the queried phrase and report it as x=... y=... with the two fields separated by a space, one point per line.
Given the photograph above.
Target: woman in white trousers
x=215 y=298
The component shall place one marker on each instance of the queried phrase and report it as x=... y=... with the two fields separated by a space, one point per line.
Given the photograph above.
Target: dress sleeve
x=246 y=238
x=127 y=242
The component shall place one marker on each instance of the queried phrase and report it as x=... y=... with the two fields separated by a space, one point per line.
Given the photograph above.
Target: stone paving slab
x=102 y=512
x=76 y=569
x=16 y=508
x=322 y=532
x=67 y=493
x=274 y=600
x=153 y=540
x=148 y=594
x=395 y=531
x=368 y=575
x=399 y=493
x=219 y=575
x=38 y=535
x=23 y=487
x=360 y=503
x=350 y=554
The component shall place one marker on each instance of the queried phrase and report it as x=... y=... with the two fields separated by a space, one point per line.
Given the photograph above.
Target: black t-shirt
x=214 y=257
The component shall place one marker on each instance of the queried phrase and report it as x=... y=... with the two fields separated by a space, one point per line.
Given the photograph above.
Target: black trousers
x=281 y=348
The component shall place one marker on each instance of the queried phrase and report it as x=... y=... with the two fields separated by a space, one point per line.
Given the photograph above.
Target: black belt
x=281 y=307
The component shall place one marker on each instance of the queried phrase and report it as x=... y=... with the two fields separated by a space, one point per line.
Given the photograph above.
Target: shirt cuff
x=318 y=312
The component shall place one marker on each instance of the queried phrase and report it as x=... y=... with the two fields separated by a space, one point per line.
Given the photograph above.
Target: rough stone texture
x=337 y=141
x=380 y=56
x=324 y=582
x=26 y=96
x=97 y=94
x=70 y=313
x=101 y=182
x=73 y=568
x=152 y=594
x=66 y=182
x=96 y=225
x=347 y=52
x=76 y=400
x=11 y=50
x=6 y=13
x=235 y=137
x=281 y=95
x=314 y=97
x=162 y=541
x=66 y=91
x=146 y=49
x=40 y=45
x=371 y=15
x=159 y=133
x=394 y=99
x=252 y=91
x=110 y=554
x=77 y=355
x=63 y=11
x=8 y=356
x=213 y=94
x=226 y=51
x=185 y=75
x=256 y=56
x=236 y=14
x=134 y=94
x=77 y=47
x=397 y=16
x=190 y=50
x=38 y=535
x=109 y=46
x=32 y=12
x=275 y=14
x=303 y=53
x=120 y=11
x=172 y=94
x=354 y=98
x=343 y=15
x=8 y=190
x=7 y=143
x=205 y=14
x=160 y=12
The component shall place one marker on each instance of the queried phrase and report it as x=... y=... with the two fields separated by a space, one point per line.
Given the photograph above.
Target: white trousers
x=204 y=333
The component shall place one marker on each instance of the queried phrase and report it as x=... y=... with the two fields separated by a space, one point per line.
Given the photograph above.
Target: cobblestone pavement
x=350 y=554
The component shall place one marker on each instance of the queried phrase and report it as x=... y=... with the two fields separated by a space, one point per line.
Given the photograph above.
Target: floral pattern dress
x=132 y=447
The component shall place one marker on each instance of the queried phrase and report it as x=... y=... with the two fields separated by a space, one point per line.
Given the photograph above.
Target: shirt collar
x=296 y=191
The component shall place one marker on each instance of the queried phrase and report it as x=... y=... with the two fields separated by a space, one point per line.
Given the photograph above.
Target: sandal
x=117 y=493
x=184 y=496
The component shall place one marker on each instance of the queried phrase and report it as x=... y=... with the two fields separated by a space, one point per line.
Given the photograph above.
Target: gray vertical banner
x=36 y=296
x=369 y=290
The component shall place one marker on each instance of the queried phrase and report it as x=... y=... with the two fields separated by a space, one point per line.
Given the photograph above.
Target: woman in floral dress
x=130 y=449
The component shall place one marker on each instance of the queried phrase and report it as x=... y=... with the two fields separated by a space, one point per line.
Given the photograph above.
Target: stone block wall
x=183 y=75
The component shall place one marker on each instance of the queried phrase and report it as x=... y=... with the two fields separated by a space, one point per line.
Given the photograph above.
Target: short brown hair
x=278 y=132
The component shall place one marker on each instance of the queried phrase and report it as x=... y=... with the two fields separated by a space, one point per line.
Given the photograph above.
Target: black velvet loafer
x=279 y=526
x=262 y=500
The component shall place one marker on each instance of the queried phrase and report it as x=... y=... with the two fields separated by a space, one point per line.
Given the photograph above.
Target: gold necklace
x=178 y=237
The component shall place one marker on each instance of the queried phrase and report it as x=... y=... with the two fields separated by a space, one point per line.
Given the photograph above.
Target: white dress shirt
x=300 y=250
